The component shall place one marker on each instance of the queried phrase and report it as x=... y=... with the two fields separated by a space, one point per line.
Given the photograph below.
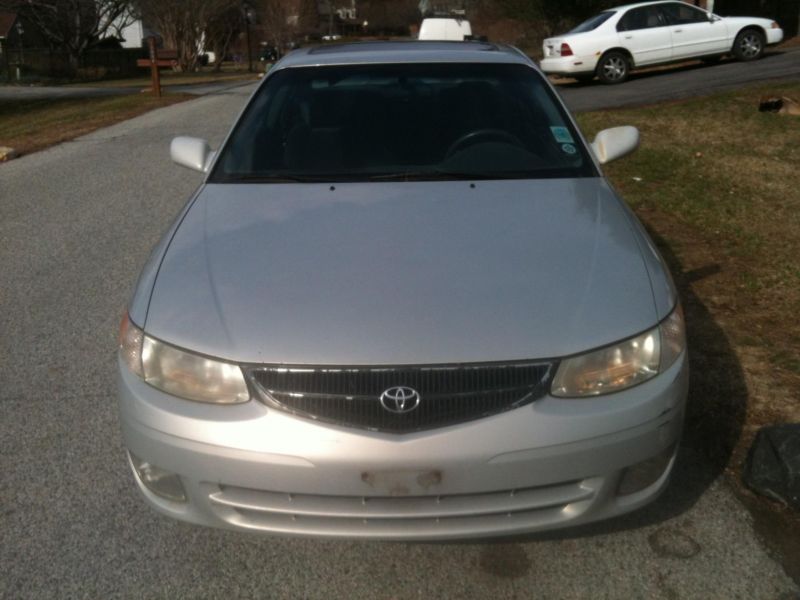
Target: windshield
x=403 y=122
x=593 y=23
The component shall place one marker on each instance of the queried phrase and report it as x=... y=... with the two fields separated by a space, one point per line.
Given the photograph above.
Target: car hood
x=402 y=273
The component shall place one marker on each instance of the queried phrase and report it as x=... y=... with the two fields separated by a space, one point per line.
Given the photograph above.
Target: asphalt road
x=681 y=81
x=76 y=224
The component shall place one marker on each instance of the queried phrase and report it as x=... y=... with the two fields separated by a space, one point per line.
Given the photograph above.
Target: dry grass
x=718 y=185
x=31 y=125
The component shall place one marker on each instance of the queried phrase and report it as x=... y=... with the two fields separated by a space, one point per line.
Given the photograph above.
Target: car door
x=644 y=32
x=694 y=31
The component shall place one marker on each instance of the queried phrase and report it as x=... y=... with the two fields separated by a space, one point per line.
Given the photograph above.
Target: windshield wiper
x=441 y=175
x=433 y=175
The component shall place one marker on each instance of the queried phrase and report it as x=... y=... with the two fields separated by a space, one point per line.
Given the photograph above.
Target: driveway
x=681 y=81
x=77 y=222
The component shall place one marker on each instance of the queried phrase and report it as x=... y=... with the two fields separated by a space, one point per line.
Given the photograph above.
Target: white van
x=445 y=29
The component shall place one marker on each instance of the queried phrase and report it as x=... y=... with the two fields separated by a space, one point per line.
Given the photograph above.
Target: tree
x=221 y=31
x=183 y=24
x=73 y=25
x=282 y=21
x=556 y=16
x=275 y=18
x=389 y=16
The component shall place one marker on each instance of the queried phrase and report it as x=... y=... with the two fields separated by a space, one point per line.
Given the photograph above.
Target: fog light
x=641 y=475
x=162 y=483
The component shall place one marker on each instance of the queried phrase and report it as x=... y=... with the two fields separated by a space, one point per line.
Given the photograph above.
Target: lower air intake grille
x=445 y=395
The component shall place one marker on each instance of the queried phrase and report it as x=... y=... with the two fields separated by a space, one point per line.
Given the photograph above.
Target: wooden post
x=156 y=78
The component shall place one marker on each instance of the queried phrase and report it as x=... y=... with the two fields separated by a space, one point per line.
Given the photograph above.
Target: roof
x=7 y=20
x=403 y=52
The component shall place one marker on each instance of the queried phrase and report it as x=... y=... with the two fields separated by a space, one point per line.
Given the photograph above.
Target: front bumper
x=569 y=65
x=774 y=36
x=553 y=463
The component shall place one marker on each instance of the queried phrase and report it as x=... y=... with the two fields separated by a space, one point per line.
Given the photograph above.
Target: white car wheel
x=749 y=45
x=613 y=67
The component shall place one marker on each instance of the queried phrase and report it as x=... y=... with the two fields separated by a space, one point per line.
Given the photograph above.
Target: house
x=131 y=31
x=338 y=17
x=17 y=34
x=133 y=34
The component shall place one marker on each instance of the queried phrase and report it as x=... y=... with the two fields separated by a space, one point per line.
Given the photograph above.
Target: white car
x=615 y=41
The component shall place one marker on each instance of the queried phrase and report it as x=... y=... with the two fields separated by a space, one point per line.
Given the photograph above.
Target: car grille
x=351 y=396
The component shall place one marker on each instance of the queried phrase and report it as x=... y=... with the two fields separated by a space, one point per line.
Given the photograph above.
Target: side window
x=645 y=17
x=684 y=14
x=632 y=20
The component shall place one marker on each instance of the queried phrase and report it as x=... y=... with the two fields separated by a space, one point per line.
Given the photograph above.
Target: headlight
x=181 y=373
x=624 y=364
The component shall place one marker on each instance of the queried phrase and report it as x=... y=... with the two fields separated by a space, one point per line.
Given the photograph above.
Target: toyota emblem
x=400 y=399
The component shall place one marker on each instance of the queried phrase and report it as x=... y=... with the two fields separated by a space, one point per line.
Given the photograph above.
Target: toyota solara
x=405 y=303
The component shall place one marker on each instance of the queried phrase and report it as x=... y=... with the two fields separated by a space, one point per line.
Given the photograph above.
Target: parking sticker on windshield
x=569 y=148
x=562 y=135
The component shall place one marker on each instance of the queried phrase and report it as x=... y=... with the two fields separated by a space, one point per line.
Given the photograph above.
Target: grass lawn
x=717 y=184
x=31 y=125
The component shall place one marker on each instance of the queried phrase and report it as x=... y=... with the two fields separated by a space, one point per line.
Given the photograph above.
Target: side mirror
x=614 y=143
x=191 y=152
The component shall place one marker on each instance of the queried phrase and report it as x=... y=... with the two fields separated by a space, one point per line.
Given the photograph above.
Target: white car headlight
x=181 y=373
x=624 y=364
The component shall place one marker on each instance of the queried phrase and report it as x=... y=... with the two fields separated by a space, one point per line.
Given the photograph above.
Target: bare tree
x=183 y=24
x=389 y=16
x=73 y=25
x=221 y=32
x=307 y=16
x=279 y=20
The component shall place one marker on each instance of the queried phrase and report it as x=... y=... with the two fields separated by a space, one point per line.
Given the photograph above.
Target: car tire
x=613 y=67
x=749 y=45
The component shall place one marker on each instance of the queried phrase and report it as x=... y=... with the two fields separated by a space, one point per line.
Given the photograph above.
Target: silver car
x=404 y=304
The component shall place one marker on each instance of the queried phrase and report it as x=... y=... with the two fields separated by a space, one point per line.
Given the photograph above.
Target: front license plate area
x=402 y=483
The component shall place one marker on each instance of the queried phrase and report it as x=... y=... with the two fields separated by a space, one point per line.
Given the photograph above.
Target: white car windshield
x=403 y=122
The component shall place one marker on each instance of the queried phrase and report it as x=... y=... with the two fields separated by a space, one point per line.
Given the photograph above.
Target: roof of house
x=7 y=20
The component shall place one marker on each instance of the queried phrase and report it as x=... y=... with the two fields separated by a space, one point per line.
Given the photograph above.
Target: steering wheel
x=482 y=135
